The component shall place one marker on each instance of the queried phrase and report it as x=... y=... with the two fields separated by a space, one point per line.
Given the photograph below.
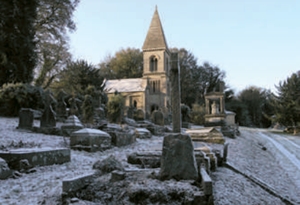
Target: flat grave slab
x=36 y=156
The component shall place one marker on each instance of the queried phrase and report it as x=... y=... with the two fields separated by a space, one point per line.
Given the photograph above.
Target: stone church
x=152 y=91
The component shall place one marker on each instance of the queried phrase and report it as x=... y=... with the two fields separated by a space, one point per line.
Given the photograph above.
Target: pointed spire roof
x=155 y=38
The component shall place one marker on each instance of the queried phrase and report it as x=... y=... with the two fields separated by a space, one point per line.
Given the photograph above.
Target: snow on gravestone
x=90 y=140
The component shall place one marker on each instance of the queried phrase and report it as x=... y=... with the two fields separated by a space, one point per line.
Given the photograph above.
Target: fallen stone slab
x=147 y=159
x=36 y=156
x=71 y=186
x=76 y=183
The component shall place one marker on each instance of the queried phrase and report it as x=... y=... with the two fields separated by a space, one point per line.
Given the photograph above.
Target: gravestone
x=139 y=115
x=225 y=152
x=61 y=106
x=185 y=116
x=26 y=118
x=48 y=116
x=158 y=118
x=130 y=112
x=178 y=158
x=74 y=110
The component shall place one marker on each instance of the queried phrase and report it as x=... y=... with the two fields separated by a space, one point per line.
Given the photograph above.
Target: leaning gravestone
x=26 y=117
x=178 y=158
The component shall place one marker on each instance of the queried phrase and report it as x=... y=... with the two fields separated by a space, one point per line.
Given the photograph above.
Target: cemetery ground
x=255 y=154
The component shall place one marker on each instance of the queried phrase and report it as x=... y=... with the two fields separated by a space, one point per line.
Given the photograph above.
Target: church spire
x=155 y=38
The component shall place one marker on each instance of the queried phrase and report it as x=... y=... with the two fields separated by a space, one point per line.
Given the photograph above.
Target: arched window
x=153 y=64
x=134 y=104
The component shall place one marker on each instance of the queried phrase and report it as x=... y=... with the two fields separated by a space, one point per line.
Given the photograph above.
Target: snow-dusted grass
x=45 y=185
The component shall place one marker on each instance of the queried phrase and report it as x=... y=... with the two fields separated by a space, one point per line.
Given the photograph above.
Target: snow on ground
x=45 y=185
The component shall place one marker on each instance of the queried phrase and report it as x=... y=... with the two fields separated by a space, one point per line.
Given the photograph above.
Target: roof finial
x=155 y=7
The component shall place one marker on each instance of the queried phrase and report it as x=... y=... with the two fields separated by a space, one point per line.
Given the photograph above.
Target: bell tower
x=156 y=57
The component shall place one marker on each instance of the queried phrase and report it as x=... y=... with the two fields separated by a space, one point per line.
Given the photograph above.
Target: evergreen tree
x=17 y=41
x=77 y=76
x=287 y=101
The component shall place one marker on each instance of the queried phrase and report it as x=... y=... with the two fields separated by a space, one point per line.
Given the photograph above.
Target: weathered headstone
x=139 y=115
x=130 y=112
x=178 y=158
x=225 y=152
x=26 y=117
x=158 y=118
x=122 y=138
x=61 y=106
x=48 y=117
x=185 y=116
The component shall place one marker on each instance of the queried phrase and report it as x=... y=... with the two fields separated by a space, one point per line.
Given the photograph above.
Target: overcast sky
x=256 y=42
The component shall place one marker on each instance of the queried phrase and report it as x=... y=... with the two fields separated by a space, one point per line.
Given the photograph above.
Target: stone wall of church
x=132 y=99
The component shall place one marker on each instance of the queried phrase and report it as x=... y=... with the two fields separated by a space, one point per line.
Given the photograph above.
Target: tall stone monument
x=178 y=158
x=215 y=106
x=175 y=92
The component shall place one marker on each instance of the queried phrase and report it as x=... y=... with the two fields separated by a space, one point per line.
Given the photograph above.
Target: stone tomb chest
x=36 y=156
x=91 y=140
x=207 y=134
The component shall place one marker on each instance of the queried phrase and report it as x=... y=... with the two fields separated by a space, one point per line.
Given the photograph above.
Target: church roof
x=155 y=38
x=125 y=85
